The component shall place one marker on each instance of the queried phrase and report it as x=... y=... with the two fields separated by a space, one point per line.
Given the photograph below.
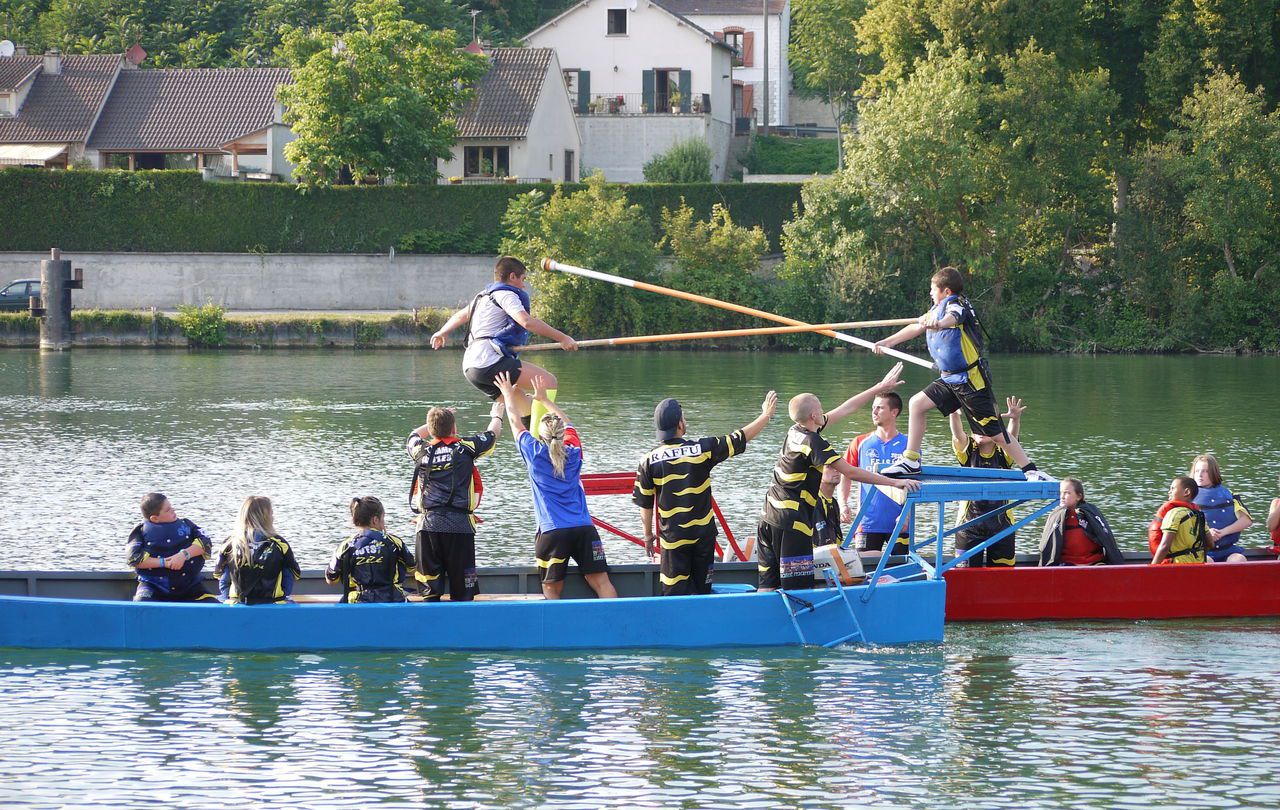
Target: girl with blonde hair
x=1224 y=512
x=554 y=460
x=256 y=565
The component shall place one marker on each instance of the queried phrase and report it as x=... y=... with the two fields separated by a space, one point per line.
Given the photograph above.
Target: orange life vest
x=1154 y=531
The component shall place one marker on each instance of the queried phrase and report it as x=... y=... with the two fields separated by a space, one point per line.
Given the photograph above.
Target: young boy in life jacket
x=500 y=319
x=1178 y=533
x=168 y=552
x=954 y=338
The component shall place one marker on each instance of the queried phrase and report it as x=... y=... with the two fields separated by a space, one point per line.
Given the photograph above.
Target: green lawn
x=771 y=154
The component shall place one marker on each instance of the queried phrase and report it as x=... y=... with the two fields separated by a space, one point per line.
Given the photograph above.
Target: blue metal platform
x=943 y=485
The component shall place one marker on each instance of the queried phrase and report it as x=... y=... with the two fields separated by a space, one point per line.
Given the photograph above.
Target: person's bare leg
x=601 y=584
x=1014 y=449
x=552 y=590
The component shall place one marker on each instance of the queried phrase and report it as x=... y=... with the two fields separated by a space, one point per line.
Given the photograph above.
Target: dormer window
x=617 y=22
x=6 y=104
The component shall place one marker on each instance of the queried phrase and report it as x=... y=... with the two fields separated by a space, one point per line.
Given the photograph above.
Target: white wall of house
x=620 y=145
x=779 y=66
x=277 y=136
x=654 y=40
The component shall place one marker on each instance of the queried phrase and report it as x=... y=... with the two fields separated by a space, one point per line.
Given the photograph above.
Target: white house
x=741 y=24
x=642 y=77
x=519 y=124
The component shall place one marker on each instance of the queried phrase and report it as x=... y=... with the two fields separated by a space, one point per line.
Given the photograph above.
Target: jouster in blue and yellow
x=958 y=351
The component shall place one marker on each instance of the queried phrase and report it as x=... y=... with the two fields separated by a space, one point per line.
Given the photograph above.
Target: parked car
x=15 y=294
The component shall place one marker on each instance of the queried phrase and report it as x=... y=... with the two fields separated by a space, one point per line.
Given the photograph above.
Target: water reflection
x=1116 y=714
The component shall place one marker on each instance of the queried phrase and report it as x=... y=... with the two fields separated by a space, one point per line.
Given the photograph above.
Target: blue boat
x=900 y=613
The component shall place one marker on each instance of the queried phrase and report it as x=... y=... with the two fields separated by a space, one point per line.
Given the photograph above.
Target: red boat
x=1134 y=591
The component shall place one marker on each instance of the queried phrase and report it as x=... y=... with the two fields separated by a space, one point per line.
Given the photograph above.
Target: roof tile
x=507 y=95
x=194 y=109
x=61 y=108
x=14 y=69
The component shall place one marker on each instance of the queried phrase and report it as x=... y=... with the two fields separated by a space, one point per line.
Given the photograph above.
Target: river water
x=1098 y=714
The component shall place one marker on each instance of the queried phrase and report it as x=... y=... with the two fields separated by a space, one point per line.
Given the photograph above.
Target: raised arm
x=541 y=327
x=958 y=437
x=752 y=429
x=891 y=381
x=540 y=395
x=503 y=381
x=1013 y=415
x=868 y=477
x=904 y=334
x=846 y=490
x=455 y=320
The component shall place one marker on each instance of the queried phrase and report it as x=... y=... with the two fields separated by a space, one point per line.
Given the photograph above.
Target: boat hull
x=899 y=613
x=1114 y=592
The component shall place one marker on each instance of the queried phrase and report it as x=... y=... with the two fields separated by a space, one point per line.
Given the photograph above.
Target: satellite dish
x=6 y=48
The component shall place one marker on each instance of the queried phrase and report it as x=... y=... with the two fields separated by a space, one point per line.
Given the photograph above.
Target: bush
x=688 y=161
x=161 y=211
x=204 y=326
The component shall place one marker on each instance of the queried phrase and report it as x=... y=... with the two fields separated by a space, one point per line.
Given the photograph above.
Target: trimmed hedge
x=174 y=211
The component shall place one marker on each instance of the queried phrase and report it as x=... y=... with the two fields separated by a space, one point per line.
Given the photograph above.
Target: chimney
x=53 y=62
x=20 y=50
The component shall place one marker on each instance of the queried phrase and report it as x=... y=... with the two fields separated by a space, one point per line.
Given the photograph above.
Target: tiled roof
x=723 y=6
x=14 y=69
x=196 y=109
x=504 y=102
x=61 y=108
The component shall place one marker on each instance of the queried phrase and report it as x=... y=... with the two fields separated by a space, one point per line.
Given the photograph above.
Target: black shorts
x=978 y=405
x=785 y=558
x=146 y=592
x=689 y=568
x=555 y=548
x=482 y=378
x=874 y=541
x=447 y=558
x=1000 y=553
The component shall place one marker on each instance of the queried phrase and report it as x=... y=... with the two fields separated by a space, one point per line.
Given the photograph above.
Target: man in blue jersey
x=884 y=445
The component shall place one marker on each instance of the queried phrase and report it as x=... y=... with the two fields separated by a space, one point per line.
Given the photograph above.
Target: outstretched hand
x=906 y=484
x=1013 y=408
x=891 y=380
x=540 y=388
x=503 y=381
x=437 y=340
x=770 y=404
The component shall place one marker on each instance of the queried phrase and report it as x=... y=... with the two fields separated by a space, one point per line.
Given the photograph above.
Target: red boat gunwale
x=1134 y=591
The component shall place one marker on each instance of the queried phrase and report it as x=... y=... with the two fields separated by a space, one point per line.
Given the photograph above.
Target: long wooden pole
x=552 y=264
x=719 y=333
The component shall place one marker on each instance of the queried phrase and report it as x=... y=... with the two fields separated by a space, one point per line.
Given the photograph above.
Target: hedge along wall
x=112 y=211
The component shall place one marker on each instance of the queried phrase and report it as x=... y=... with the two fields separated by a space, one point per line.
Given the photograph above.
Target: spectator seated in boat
x=1273 y=525
x=168 y=552
x=1223 y=511
x=371 y=564
x=255 y=559
x=1076 y=533
x=554 y=461
x=826 y=527
x=1178 y=533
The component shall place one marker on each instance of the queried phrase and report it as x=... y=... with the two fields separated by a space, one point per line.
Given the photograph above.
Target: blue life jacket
x=1219 y=507
x=513 y=334
x=957 y=351
x=166 y=540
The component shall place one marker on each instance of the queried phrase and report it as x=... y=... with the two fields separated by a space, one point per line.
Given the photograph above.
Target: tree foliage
x=713 y=257
x=378 y=101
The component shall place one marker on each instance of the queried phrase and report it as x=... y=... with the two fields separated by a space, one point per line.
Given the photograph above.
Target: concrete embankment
x=263 y=331
x=253 y=281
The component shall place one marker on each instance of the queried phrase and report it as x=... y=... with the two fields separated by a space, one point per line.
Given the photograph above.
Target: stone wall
x=247 y=281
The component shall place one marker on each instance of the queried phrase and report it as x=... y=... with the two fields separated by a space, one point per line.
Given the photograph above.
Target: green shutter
x=646 y=90
x=584 y=91
x=686 y=90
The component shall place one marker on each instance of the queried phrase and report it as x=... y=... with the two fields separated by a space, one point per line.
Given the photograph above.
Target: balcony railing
x=634 y=104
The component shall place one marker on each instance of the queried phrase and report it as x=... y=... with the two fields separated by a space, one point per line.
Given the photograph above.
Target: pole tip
x=546 y=263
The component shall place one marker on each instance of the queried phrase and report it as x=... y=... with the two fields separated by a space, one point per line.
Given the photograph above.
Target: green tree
x=597 y=228
x=716 y=258
x=379 y=101
x=825 y=55
x=688 y=161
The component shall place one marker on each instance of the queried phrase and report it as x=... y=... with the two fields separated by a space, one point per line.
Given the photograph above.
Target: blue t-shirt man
x=868 y=452
x=559 y=502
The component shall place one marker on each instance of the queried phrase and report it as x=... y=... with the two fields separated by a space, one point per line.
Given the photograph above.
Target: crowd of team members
x=1201 y=521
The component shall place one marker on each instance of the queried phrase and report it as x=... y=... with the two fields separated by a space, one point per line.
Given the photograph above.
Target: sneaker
x=1038 y=475
x=902 y=469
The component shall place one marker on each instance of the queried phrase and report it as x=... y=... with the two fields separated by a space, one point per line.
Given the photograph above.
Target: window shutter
x=748 y=101
x=748 y=45
x=584 y=91
x=646 y=90
x=686 y=90
x=720 y=35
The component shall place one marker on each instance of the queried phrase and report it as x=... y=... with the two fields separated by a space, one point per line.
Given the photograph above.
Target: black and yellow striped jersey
x=792 y=501
x=677 y=474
